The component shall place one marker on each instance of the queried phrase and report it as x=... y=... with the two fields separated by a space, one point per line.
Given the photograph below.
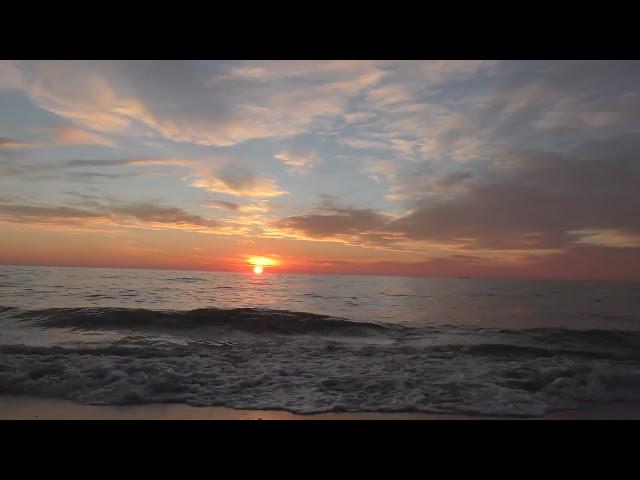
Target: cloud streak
x=298 y=163
x=144 y=214
x=125 y=97
x=77 y=136
x=239 y=183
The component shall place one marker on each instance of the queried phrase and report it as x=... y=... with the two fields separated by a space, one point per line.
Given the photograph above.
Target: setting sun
x=262 y=261
x=259 y=263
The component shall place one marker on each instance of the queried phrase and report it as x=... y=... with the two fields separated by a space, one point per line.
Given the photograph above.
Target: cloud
x=37 y=214
x=251 y=73
x=429 y=108
x=66 y=135
x=127 y=161
x=437 y=72
x=381 y=169
x=325 y=70
x=408 y=79
x=258 y=207
x=66 y=169
x=540 y=201
x=220 y=204
x=8 y=143
x=465 y=111
x=353 y=226
x=77 y=136
x=298 y=163
x=142 y=214
x=607 y=238
x=129 y=98
x=358 y=117
x=485 y=160
x=364 y=143
x=88 y=200
x=529 y=202
x=91 y=177
x=335 y=222
x=10 y=75
x=239 y=183
x=154 y=214
x=385 y=96
x=554 y=101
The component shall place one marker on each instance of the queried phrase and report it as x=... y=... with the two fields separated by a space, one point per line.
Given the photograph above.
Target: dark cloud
x=538 y=200
x=335 y=221
x=528 y=200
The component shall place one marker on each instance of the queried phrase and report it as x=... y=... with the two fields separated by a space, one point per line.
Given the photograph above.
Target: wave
x=493 y=341
x=251 y=320
x=309 y=378
x=308 y=363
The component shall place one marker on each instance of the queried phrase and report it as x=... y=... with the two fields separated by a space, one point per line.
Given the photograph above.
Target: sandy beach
x=30 y=408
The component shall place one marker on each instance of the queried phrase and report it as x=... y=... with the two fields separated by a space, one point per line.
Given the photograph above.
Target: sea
x=318 y=343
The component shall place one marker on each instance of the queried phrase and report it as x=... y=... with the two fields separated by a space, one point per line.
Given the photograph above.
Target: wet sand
x=30 y=408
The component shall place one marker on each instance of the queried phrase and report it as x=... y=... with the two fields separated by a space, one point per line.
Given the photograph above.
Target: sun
x=260 y=263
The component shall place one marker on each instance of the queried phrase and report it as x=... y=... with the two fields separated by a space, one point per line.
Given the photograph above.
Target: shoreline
x=15 y=407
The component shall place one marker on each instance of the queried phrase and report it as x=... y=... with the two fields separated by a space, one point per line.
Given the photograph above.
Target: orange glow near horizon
x=257 y=269
x=175 y=250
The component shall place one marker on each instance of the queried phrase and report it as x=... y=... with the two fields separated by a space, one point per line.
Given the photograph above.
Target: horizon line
x=281 y=272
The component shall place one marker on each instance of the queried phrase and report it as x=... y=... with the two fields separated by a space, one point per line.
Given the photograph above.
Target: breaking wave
x=309 y=363
x=244 y=319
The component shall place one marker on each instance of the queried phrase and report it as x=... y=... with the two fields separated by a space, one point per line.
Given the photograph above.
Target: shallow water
x=308 y=343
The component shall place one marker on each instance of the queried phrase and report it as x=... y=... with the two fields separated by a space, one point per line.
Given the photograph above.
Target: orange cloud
x=240 y=184
x=78 y=136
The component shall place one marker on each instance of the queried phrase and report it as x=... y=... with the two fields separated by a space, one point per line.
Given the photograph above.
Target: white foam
x=312 y=375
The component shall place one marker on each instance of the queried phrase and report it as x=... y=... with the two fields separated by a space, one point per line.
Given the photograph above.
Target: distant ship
x=465 y=277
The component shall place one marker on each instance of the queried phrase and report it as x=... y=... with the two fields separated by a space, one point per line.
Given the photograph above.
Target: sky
x=430 y=168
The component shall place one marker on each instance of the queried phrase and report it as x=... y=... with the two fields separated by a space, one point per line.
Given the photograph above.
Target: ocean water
x=317 y=343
